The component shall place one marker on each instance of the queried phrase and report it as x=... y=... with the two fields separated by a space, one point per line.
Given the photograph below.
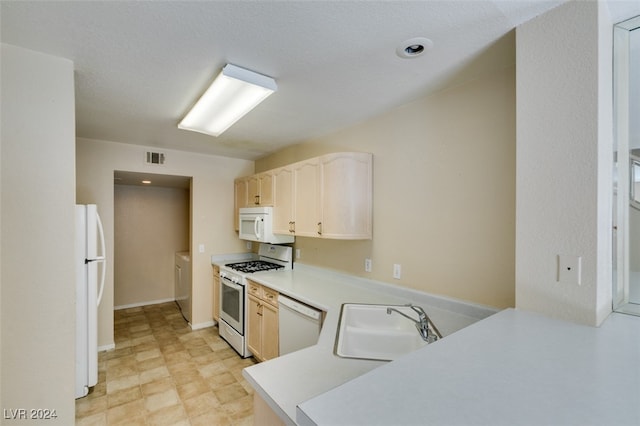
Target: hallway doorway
x=152 y=222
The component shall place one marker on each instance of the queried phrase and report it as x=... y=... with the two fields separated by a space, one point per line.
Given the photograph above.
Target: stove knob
x=223 y=274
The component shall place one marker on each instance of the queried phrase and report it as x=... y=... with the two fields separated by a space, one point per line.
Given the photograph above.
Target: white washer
x=183 y=283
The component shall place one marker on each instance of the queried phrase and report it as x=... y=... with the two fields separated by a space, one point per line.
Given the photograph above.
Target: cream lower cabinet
x=325 y=197
x=263 y=415
x=216 y=293
x=262 y=327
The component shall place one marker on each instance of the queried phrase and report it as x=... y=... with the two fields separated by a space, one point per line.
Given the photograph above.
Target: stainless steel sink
x=369 y=332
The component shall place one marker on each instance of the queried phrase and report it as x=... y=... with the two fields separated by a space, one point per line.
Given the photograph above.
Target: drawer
x=270 y=296
x=255 y=289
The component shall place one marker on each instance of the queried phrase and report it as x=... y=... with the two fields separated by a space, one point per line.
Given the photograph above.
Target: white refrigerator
x=90 y=259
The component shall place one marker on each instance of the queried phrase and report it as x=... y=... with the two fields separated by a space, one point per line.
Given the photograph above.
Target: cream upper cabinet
x=297 y=199
x=346 y=195
x=306 y=197
x=240 y=199
x=260 y=189
x=324 y=197
x=283 y=200
x=265 y=181
x=253 y=191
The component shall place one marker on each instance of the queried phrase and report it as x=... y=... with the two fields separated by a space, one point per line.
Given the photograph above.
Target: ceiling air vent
x=155 y=157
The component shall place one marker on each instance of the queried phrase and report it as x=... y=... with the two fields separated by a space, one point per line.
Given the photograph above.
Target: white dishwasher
x=299 y=325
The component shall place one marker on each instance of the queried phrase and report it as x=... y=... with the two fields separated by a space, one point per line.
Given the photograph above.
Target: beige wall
x=37 y=315
x=150 y=225
x=564 y=162
x=444 y=193
x=211 y=211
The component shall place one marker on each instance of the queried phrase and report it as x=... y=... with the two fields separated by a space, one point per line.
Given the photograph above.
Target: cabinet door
x=253 y=191
x=240 y=200
x=216 y=293
x=306 y=184
x=346 y=193
x=270 y=340
x=282 y=200
x=265 y=182
x=254 y=327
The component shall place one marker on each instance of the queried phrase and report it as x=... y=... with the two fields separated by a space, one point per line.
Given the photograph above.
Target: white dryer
x=183 y=283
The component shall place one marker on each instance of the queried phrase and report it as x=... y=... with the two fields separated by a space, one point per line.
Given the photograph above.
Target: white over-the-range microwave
x=256 y=224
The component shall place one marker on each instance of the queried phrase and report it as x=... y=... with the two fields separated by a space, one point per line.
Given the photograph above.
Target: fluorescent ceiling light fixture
x=233 y=93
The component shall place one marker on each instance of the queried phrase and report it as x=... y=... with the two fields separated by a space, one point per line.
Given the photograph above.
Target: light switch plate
x=569 y=269
x=397 y=271
x=367 y=265
x=201 y=248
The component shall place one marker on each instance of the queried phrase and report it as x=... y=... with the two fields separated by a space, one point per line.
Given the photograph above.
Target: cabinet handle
x=292 y=227
x=257 y=199
x=319 y=228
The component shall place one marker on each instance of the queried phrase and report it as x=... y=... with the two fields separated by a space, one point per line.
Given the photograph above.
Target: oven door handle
x=233 y=285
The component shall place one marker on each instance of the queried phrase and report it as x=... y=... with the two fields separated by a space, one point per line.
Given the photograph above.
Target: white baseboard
x=136 y=305
x=202 y=325
x=108 y=347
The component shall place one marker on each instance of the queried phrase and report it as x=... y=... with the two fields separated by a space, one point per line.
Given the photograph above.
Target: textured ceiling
x=141 y=65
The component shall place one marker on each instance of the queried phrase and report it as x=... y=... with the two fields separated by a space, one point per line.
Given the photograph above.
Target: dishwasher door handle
x=299 y=307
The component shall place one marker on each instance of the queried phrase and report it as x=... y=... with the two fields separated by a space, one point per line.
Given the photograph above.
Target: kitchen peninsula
x=287 y=381
x=513 y=367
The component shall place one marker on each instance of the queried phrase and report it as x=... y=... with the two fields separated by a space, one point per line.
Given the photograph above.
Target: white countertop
x=513 y=368
x=291 y=379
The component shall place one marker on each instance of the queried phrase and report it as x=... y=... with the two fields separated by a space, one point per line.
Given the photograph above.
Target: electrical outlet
x=297 y=253
x=201 y=248
x=569 y=269
x=367 y=265
x=397 y=271
x=249 y=245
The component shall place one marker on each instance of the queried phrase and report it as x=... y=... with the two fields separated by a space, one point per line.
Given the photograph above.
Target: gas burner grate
x=254 y=266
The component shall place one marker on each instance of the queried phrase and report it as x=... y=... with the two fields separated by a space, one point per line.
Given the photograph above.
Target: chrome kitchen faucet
x=422 y=324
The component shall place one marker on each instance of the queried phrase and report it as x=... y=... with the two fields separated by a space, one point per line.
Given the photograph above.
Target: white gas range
x=234 y=296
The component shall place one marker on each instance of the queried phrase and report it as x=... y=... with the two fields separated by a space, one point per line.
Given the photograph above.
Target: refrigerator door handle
x=102 y=258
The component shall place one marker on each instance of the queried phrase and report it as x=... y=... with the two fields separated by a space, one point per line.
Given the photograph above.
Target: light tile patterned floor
x=163 y=373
